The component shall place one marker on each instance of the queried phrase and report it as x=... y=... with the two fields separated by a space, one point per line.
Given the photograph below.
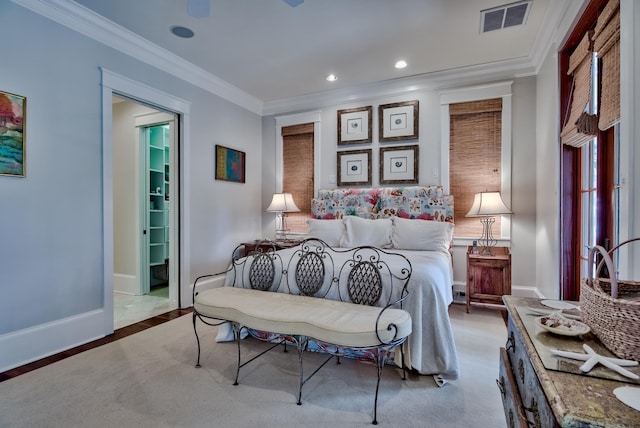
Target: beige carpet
x=149 y=380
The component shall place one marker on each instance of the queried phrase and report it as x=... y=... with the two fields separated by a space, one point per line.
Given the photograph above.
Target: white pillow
x=330 y=231
x=361 y=231
x=421 y=234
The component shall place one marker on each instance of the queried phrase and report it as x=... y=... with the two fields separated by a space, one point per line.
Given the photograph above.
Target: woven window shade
x=607 y=45
x=475 y=153
x=297 y=172
x=580 y=66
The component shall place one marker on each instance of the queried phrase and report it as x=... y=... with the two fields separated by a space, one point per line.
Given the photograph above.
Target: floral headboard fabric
x=414 y=202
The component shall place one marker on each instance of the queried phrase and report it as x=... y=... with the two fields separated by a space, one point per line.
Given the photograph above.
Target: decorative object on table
x=591 y=358
x=230 y=164
x=487 y=205
x=557 y=323
x=354 y=168
x=399 y=165
x=354 y=125
x=559 y=304
x=629 y=395
x=611 y=306
x=13 y=113
x=281 y=204
x=398 y=121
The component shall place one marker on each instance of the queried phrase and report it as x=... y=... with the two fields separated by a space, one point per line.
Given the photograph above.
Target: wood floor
x=117 y=334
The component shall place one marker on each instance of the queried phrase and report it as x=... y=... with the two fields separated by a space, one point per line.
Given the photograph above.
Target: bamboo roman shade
x=607 y=46
x=580 y=63
x=297 y=172
x=475 y=158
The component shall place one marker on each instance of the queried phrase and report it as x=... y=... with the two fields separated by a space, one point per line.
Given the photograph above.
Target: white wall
x=51 y=259
x=430 y=168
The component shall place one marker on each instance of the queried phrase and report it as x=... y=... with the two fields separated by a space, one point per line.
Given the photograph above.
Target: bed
x=417 y=222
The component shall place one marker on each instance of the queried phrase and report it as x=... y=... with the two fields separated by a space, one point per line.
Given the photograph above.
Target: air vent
x=508 y=15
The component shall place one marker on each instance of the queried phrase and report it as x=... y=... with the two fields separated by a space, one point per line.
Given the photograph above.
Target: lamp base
x=487 y=241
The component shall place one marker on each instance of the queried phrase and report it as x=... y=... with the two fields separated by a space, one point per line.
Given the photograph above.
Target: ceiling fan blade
x=293 y=3
x=198 y=8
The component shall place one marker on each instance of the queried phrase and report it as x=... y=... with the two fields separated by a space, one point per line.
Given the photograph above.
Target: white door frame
x=112 y=82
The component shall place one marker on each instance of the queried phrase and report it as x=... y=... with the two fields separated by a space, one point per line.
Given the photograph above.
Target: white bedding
x=430 y=349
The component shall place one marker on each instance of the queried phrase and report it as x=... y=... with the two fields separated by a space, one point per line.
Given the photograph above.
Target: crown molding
x=83 y=20
x=559 y=17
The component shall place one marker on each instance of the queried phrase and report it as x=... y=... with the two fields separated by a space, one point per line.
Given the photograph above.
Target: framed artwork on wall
x=399 y=165
x=230 y=164
x=354 y=125
x=13 y=112
x=398 y=121
x=354 y=168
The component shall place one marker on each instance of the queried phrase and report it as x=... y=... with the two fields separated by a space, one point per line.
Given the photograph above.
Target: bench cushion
x=339 y=323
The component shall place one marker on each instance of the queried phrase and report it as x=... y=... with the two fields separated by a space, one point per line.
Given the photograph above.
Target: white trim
x=112 y=82
x=33 y=343
x=476 y=93
x=297 y=119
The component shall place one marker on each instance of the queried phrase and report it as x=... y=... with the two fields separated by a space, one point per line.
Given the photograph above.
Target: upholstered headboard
x=419 y=202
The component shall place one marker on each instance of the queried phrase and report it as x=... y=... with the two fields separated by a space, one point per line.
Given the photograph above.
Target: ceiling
x=273 y=51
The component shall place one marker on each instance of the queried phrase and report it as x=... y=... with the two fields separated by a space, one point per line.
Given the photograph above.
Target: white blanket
x=430 y=349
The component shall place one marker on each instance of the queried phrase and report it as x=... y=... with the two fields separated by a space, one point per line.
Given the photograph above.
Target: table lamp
x=487 y=205
x=281 y=204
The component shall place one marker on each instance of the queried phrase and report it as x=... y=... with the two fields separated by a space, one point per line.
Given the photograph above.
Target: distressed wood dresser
x=535 y=396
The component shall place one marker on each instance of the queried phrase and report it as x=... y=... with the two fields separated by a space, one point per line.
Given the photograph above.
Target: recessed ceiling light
x=401 y=64
x=332 y=78
x=183 y=32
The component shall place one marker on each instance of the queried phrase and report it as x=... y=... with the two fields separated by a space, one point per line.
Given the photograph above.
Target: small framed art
x=230 y=164
x=354 y=125
x=399 y=165
x=13 y=112
x=354 y=168
x=398 y=121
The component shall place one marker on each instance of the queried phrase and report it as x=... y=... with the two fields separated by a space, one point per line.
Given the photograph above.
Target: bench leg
x=300 y=345
x=197 y=338
x=236 y=334
x=379 y=360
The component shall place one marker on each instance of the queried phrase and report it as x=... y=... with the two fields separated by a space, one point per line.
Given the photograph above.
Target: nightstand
x=488 y=277
x=265 y=245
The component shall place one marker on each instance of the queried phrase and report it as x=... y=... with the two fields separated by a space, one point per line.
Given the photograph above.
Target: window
x=476 y=155
x=590 y=154
x=297 y=172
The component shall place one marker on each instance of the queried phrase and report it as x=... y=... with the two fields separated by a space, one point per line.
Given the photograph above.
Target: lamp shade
x=282 y=202
x=488 y=204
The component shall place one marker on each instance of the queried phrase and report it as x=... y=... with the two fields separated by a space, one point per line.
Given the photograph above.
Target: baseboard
x=126 y=284
x=33 y=343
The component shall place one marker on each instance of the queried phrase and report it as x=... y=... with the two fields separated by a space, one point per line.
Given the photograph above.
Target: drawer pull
x=500 y=384
x=521 y=370
x=512 y=421
x=511 y=343
x=536 y=414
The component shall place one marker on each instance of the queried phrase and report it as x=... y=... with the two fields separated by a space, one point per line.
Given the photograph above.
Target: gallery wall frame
x=399 y=165
x=13 y=115
x=230 y=164
x=354 y=167
x=398 y=121
x=354 y=125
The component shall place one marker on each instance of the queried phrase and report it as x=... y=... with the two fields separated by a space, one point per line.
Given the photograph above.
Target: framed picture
x=13 y=112
x=399 y=165
x=354 y=125
x=230 y=164
x=398 y=121
x=354 y=168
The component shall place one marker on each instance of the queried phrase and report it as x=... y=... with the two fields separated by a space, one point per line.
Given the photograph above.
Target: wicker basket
x=611 y=308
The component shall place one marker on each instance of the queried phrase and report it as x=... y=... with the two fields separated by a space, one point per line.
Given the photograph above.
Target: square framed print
x=399 y=165
x=398 y=121
x=13 y=112
x=230 y=164
x=354 y=125
x=354 y=168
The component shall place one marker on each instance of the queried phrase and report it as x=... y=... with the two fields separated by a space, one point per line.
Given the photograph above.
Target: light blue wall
x=51 y=222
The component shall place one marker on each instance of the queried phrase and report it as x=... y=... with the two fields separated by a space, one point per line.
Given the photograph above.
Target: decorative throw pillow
x=421 y=234
x=360 y=231
x=330 y=231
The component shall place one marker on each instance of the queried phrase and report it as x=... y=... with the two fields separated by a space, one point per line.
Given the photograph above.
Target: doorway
x=144 y=146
